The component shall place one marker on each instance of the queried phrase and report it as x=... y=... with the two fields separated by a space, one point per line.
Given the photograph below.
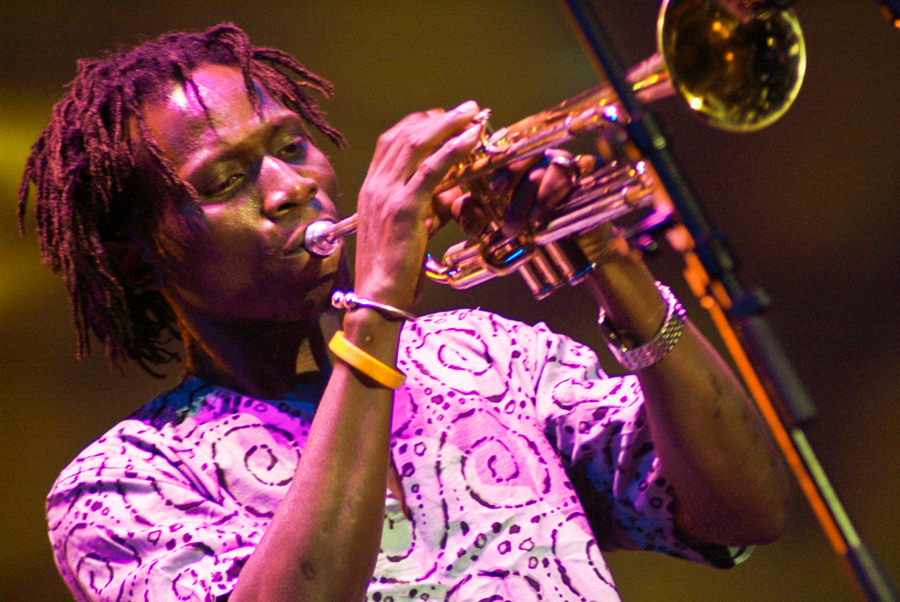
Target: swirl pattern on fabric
x=496 y=424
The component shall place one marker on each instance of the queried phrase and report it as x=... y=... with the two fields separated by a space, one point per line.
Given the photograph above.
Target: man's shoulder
x=140 y=434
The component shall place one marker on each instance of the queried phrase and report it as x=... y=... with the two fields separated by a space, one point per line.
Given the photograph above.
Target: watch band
x=654 y=350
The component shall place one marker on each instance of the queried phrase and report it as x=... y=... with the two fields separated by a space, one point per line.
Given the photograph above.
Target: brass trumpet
x=737 y=66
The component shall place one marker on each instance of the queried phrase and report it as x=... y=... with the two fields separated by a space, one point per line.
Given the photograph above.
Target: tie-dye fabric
x=500 y=433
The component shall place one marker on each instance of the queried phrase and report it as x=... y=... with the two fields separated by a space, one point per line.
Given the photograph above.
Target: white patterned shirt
x=510 y=441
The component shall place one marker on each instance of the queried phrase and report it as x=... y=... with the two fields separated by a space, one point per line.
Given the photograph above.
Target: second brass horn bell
x=736 y=65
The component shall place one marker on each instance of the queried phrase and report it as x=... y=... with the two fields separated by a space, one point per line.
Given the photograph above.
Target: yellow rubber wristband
x=354 y=356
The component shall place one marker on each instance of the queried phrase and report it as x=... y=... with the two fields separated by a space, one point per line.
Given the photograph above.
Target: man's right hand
x=395 y=203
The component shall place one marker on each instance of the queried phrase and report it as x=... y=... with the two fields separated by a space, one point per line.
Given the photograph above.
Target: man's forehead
x=211 y=107
x=212 y=93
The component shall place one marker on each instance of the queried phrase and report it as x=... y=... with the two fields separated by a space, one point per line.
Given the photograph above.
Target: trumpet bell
x=738 y=67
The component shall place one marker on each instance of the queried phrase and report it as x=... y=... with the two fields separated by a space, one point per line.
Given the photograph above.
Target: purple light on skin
x=611 y=113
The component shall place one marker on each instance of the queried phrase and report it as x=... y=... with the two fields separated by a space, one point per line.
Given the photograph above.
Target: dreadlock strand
x=238 y=44
x=293 y=91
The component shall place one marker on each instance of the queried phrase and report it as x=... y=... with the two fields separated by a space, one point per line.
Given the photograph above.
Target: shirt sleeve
x=597 y=424
x=129 y=521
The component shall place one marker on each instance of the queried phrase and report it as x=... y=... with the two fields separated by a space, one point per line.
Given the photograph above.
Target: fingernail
x=564 y=162
x=466 y=107
x=469 y=135
x=481 y=118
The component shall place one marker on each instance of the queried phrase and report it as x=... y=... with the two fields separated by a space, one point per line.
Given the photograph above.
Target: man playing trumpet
x=458 y=456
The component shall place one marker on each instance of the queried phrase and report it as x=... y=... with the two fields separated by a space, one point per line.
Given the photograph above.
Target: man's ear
x=133 y=263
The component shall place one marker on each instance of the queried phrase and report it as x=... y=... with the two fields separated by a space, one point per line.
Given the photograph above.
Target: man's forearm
x=323 y=541
x=729 y=479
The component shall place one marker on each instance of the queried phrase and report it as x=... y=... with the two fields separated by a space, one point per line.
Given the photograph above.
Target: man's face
x=260 y=182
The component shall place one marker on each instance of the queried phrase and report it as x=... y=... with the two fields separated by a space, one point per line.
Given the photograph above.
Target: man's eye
x=293 y=151
x=225 y=185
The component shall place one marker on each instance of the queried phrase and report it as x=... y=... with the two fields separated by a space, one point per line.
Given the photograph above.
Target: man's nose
x=284 y=188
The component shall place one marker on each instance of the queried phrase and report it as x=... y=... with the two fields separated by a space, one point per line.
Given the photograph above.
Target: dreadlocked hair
x=87 y=168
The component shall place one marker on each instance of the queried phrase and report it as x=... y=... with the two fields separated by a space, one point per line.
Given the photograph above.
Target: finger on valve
x=537 y=191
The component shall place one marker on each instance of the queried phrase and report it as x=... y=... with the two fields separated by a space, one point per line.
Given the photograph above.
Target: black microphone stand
x=767 y=372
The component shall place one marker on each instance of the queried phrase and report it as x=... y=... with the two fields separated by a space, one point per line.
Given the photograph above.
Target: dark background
x=809 y=205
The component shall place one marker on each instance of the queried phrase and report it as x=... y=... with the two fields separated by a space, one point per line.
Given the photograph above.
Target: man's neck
x=262 y=361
